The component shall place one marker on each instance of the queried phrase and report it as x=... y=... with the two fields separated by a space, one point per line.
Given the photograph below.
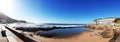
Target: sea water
x=60 y=33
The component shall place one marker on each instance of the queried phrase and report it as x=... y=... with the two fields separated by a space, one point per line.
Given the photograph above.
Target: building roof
x=106 y=18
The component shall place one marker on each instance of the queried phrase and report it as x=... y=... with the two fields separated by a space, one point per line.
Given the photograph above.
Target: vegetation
x=117 y=22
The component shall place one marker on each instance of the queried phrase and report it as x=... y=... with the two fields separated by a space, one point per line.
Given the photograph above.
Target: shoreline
x=83 y=37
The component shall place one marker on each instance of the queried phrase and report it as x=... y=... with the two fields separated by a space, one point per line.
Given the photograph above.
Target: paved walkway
x=2 y=39
x=10 y=36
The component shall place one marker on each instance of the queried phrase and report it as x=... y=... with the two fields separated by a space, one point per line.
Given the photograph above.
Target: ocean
x=61 y=33
x=57 y=33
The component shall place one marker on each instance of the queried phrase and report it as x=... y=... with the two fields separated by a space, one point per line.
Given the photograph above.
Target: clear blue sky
x=65 y=11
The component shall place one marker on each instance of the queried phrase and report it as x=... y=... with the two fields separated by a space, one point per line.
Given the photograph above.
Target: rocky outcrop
x=97 y=27
x=107 y=33
x=116 y=37
x=91 y=26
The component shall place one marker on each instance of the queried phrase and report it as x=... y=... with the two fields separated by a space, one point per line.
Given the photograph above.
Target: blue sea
x=61 y=33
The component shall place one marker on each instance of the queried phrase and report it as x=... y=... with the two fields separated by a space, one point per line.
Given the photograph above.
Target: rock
x=107 y=33
x=101 y=28
x=92 y=26
x=98 y=27
x=117 y=31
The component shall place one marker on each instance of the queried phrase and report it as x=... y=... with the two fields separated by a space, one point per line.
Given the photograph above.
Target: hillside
x=6 y=19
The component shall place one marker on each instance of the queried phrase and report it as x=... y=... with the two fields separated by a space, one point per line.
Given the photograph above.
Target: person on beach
x=3 y=32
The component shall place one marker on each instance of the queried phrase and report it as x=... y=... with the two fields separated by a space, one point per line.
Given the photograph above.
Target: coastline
x=83 y=37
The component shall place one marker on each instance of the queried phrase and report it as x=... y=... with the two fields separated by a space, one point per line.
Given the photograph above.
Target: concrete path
x=10 y=36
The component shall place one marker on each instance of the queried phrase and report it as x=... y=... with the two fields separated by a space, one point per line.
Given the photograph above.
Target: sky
x=60 y=11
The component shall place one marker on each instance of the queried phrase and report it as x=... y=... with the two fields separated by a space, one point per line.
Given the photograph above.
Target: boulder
x=107 y=33
x=100 y=28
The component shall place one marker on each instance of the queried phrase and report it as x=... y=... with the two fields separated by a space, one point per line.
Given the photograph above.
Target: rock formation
x=108 y=33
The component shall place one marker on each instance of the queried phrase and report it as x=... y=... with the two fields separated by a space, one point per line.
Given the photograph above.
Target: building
x=104 y=21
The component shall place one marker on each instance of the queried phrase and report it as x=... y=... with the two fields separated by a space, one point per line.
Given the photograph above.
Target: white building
x=105 y=21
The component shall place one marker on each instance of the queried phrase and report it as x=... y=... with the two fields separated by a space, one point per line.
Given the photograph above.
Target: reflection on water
x=58 y=33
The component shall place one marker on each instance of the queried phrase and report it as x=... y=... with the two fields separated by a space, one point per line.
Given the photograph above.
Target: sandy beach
x=86 y=36
x=94 y=34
